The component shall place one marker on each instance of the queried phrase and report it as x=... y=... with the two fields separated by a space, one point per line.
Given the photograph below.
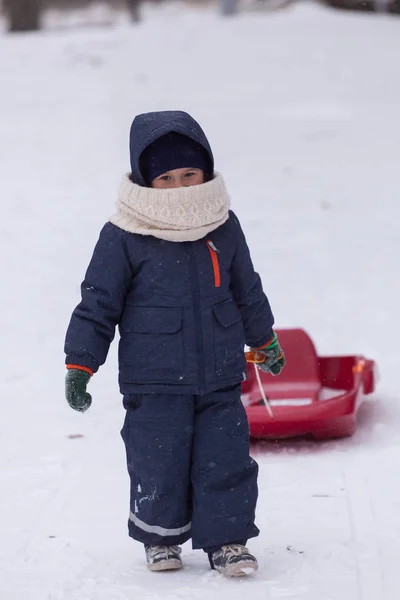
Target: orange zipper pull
x=214 y=257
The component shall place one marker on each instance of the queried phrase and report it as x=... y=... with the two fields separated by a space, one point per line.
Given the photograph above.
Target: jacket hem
x=153 y=388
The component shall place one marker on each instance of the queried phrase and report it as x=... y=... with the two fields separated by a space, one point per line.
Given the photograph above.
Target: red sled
x=316 y=396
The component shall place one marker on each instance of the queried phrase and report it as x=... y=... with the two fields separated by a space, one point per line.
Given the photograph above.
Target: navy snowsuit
x=184 y=315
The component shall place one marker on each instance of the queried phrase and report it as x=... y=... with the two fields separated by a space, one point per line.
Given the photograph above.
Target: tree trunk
x=23 y=15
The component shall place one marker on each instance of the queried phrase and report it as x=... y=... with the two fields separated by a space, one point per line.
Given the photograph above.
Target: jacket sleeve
x=104 y=289
x=247 y=289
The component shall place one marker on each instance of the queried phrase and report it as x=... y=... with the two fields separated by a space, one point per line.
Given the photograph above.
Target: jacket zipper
x=194 y=274
x=214 y=257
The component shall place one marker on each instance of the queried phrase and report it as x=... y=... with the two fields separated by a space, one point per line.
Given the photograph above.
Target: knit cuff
x=82 y=360
x=271 y=343
x=79 y=368
x=263 y=341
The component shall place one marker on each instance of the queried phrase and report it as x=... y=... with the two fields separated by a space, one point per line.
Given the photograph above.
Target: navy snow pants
x=190 y=469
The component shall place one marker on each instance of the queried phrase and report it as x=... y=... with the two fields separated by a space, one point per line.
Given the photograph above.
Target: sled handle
x=257 y=358
x=262 y=392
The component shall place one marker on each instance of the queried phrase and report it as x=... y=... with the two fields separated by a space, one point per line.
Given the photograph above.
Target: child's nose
x=186 y=182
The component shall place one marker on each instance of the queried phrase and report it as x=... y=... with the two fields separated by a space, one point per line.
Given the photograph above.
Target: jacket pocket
x=152 y=343
x=229 y=340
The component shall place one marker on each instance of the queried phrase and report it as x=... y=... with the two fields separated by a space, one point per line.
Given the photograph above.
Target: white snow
x=302 y=110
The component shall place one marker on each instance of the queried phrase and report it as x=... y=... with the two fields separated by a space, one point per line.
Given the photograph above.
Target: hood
x=148 y=127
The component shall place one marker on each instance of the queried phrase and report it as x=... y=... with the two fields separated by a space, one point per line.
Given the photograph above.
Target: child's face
x=178 y=178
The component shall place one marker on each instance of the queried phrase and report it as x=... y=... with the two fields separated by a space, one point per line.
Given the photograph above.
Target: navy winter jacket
x=179 y=332
x=184 y=310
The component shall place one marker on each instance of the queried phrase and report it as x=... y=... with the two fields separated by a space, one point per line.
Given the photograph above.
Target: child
x=172 y=269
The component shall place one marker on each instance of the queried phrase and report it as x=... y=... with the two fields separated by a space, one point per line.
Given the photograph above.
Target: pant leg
x=224 y=476
x=158 y=432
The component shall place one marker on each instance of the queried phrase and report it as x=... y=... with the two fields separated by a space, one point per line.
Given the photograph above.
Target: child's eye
x=165 y=178
x=190 y=174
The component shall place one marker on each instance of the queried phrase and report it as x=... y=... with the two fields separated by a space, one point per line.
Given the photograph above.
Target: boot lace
x=235 y=549
x=167 y=550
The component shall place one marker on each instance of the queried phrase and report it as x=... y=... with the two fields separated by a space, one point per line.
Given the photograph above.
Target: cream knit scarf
x=177 y=215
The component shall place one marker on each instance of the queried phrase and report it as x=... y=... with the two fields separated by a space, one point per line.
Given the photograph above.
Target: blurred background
x=300 y=101
x=30 y=15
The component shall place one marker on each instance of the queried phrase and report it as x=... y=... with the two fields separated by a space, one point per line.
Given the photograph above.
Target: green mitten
x=76 y=382
x=274 y=357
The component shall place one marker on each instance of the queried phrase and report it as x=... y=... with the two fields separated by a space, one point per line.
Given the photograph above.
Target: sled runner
x=313 y=396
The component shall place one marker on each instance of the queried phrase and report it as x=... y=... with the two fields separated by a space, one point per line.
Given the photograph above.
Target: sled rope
x=263 y=394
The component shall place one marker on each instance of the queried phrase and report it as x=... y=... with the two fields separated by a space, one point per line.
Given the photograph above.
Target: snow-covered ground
x=302 y=109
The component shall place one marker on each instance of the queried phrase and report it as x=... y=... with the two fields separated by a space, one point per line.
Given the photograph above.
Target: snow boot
x=163 y=558
x=233 y=560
